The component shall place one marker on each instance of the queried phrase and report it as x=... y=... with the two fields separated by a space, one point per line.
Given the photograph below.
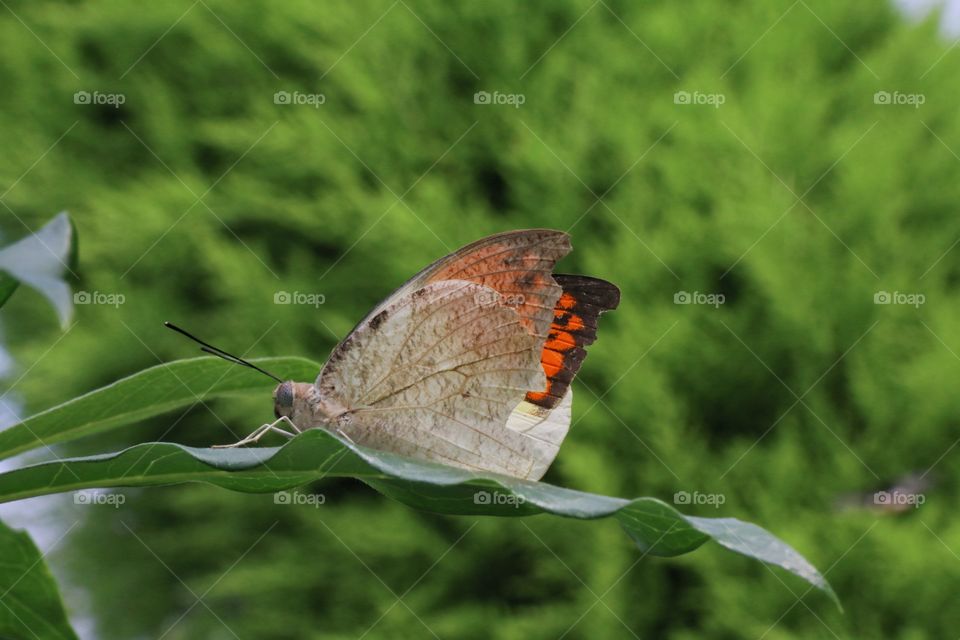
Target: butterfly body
x=468 y=364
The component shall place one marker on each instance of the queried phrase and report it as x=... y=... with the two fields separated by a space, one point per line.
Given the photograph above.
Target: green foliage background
x=400 y=166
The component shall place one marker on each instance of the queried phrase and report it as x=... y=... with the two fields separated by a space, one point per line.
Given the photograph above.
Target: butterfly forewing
x=515 y=264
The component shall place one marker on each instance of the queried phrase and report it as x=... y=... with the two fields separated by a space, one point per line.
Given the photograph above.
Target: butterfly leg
x=261 y=431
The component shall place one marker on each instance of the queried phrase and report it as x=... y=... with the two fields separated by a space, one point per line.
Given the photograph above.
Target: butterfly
x=468 y=364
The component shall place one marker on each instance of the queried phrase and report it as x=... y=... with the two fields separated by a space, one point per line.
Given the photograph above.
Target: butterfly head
x=297 y=401
x=283 y=396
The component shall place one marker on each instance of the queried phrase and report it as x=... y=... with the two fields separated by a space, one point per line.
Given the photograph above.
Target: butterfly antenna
x=220 y=353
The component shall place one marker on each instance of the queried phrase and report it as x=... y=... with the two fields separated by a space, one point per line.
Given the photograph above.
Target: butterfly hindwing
x=544 y=415
x=435 y=374
x=574 y=327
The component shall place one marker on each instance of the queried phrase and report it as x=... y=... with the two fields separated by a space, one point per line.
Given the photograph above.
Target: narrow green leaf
x=655 y=526
x=148 y=393
x=30 y=605
x=749 y=539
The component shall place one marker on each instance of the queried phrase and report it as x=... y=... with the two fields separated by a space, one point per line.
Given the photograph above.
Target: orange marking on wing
x=537 y=396
x=560 y=341
x=552 y=362
x=574 y=322
x=574 y=327
x=566 y=301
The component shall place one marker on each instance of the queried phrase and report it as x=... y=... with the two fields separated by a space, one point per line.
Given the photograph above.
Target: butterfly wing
x=574 y=327
x=548 y=427
x=435 y=374
x=545 y=414
x=513 y=270
x=515 y=264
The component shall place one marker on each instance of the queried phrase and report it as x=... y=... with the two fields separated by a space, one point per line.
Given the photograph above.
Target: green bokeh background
x=798 y=199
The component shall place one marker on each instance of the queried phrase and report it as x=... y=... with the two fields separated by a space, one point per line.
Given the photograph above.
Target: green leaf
x=39 y=261
x=7 y=286
x=148 y=393
x=656 y=527
x=30 y=605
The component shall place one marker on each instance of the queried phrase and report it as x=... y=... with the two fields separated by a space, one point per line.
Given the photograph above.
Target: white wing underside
x=440 y=373
x=548 y=427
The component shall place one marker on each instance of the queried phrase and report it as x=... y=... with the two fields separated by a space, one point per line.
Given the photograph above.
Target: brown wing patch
x=574 y=327
x=517 y=265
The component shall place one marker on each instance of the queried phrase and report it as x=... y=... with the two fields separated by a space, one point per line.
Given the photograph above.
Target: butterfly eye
x=283 y=399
